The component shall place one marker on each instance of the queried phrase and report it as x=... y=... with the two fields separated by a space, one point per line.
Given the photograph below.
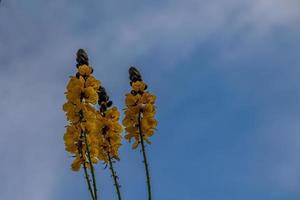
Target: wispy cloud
x=38 y=42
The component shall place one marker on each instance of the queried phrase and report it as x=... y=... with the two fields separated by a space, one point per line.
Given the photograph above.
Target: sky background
x=226 y=75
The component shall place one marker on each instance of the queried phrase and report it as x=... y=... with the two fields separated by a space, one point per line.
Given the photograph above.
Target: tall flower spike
x=139 y=120
x=80 y=137
x=110 y=134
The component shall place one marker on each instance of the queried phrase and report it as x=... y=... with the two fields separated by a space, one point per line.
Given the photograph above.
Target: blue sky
x=226 y=74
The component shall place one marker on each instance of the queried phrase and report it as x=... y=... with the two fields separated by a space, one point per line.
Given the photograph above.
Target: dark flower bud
x=134 y=74
x=109 y=104
x=102 y=108
x=133 y=92
x=103 y=99
x=102 y=90
x=82 y=57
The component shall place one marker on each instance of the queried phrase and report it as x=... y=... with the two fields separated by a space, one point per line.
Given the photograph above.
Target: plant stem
x=145 y=157
x=87 y=177
x=88 y=181
x=91 y=165
x=114 y=175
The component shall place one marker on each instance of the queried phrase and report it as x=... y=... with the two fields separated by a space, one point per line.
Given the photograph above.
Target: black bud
x=133 y=92
x=109 y=104
x=82 y=57
x=134 y=74
x=103 y=99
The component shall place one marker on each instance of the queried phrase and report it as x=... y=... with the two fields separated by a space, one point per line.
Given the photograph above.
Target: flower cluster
x=94 y=135
x=110 y=129
x=81 y=132
x=140 y=110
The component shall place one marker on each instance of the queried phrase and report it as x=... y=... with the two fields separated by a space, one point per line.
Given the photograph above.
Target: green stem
x=87 y=177
x=88 y=181
x=145 y=157
x=91 y=165
x=114 y=175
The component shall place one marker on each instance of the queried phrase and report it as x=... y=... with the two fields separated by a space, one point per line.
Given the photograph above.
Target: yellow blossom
x=132 y=100
x=113 y=114
x=84 y=70
x=75 y=82
x=110 y=134
x=140 y=111
x=90 y=95
x=71 y=138
x=92 y=82
x=81 y=134
x=71 y=112
x=77 y=163
x=138 y=86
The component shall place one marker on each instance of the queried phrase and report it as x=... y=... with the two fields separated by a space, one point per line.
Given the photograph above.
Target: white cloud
x=38 y=44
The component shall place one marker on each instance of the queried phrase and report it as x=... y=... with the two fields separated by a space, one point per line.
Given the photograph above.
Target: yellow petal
x=76 y=164
x=84 y=70
x=135 y=145
x=138 y=86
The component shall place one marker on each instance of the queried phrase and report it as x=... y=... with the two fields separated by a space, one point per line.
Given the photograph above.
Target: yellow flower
x=148 y=98
x=140 y=104
x=110 y=134
x=138 y=86
x=113 y=114
x=149 y=123
x=77 y=163
x=149 y=110
x=102 y=155
x=127 y=121
x=72 y=112
x=92 y=82
x=68 y=106
x=82 y=133
x=75 y=82
x=74 y=89
x=89 y=126
x=88 y=112
x=90 y=95
x=131 y=100
x=71 y=138
x=135 y=144
x=85 y=70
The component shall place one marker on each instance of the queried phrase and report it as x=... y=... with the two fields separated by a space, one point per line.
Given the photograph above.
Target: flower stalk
x=145 y=158
x=79 y=138
x=88 y=181
x=87 y=176
x=91 y=167
x=115 y=177
x=139 y=120
x=110 y=133
x=94 y=135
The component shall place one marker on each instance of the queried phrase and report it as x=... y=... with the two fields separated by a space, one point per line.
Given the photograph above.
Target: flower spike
x=109 y=135
x=139 y=120
x=80 y=137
